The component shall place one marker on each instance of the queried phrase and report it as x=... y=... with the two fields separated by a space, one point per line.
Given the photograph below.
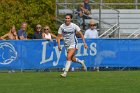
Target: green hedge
x=14 y=12
x=117 y=1
x=108 y=1
x=105 y=1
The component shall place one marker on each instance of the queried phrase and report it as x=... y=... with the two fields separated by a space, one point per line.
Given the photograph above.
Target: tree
x=14 y=12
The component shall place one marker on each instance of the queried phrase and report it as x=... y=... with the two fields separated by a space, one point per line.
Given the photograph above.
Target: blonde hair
x=12 y=28
x=49 y=30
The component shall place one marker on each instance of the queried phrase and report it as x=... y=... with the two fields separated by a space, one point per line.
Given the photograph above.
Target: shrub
x=14 y=12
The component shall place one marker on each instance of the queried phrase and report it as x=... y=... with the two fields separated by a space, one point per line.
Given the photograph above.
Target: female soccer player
x=68 y=31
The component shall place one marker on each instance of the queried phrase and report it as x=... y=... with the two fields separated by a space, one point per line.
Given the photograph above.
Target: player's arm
x=59 y=36
x=78 y=30
x=83 y=39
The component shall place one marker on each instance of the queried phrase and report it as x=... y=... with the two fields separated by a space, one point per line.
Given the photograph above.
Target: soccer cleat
x=63 y=75
x=84 y=66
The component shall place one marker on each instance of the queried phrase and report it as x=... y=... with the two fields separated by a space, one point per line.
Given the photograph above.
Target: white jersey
x=69 y=33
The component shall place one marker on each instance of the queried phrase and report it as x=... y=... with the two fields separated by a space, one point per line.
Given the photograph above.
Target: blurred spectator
x=83 y=11
x=12 y=34
x=38 y=32
x=87 y=7
x=22 y=32
x=80 y=14
x=91 y=32
x=47 y=33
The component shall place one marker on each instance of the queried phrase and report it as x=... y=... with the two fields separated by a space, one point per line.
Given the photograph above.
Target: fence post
x=65 y=4
x=57 y=8
x=119 y=36
x=136 y=5
x=100 y=17
x=73 y=7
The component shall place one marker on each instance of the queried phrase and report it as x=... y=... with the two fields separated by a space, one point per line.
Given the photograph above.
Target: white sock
x=79 y=61
x=67 y=66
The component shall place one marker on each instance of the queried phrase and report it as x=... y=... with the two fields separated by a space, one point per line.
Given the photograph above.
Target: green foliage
x=107 y=1
x=118 y=1
x=120 y=6
x=14 y=12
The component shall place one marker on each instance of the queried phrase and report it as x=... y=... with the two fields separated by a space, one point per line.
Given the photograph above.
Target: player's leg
x=74 y=59
x=70 y=53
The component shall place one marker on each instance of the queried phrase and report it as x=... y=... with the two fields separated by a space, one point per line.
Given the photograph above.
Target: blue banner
x=41 y=54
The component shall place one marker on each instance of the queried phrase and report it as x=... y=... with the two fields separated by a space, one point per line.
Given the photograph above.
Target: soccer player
x=68 y=31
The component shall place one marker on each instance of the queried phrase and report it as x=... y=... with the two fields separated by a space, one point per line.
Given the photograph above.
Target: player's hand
x=85 y=46
x=59 y=48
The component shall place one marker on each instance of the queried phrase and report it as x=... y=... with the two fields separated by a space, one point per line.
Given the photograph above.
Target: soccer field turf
x=76 y=82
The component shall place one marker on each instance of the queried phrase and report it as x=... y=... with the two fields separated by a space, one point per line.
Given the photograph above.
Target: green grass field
x=76 y=82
